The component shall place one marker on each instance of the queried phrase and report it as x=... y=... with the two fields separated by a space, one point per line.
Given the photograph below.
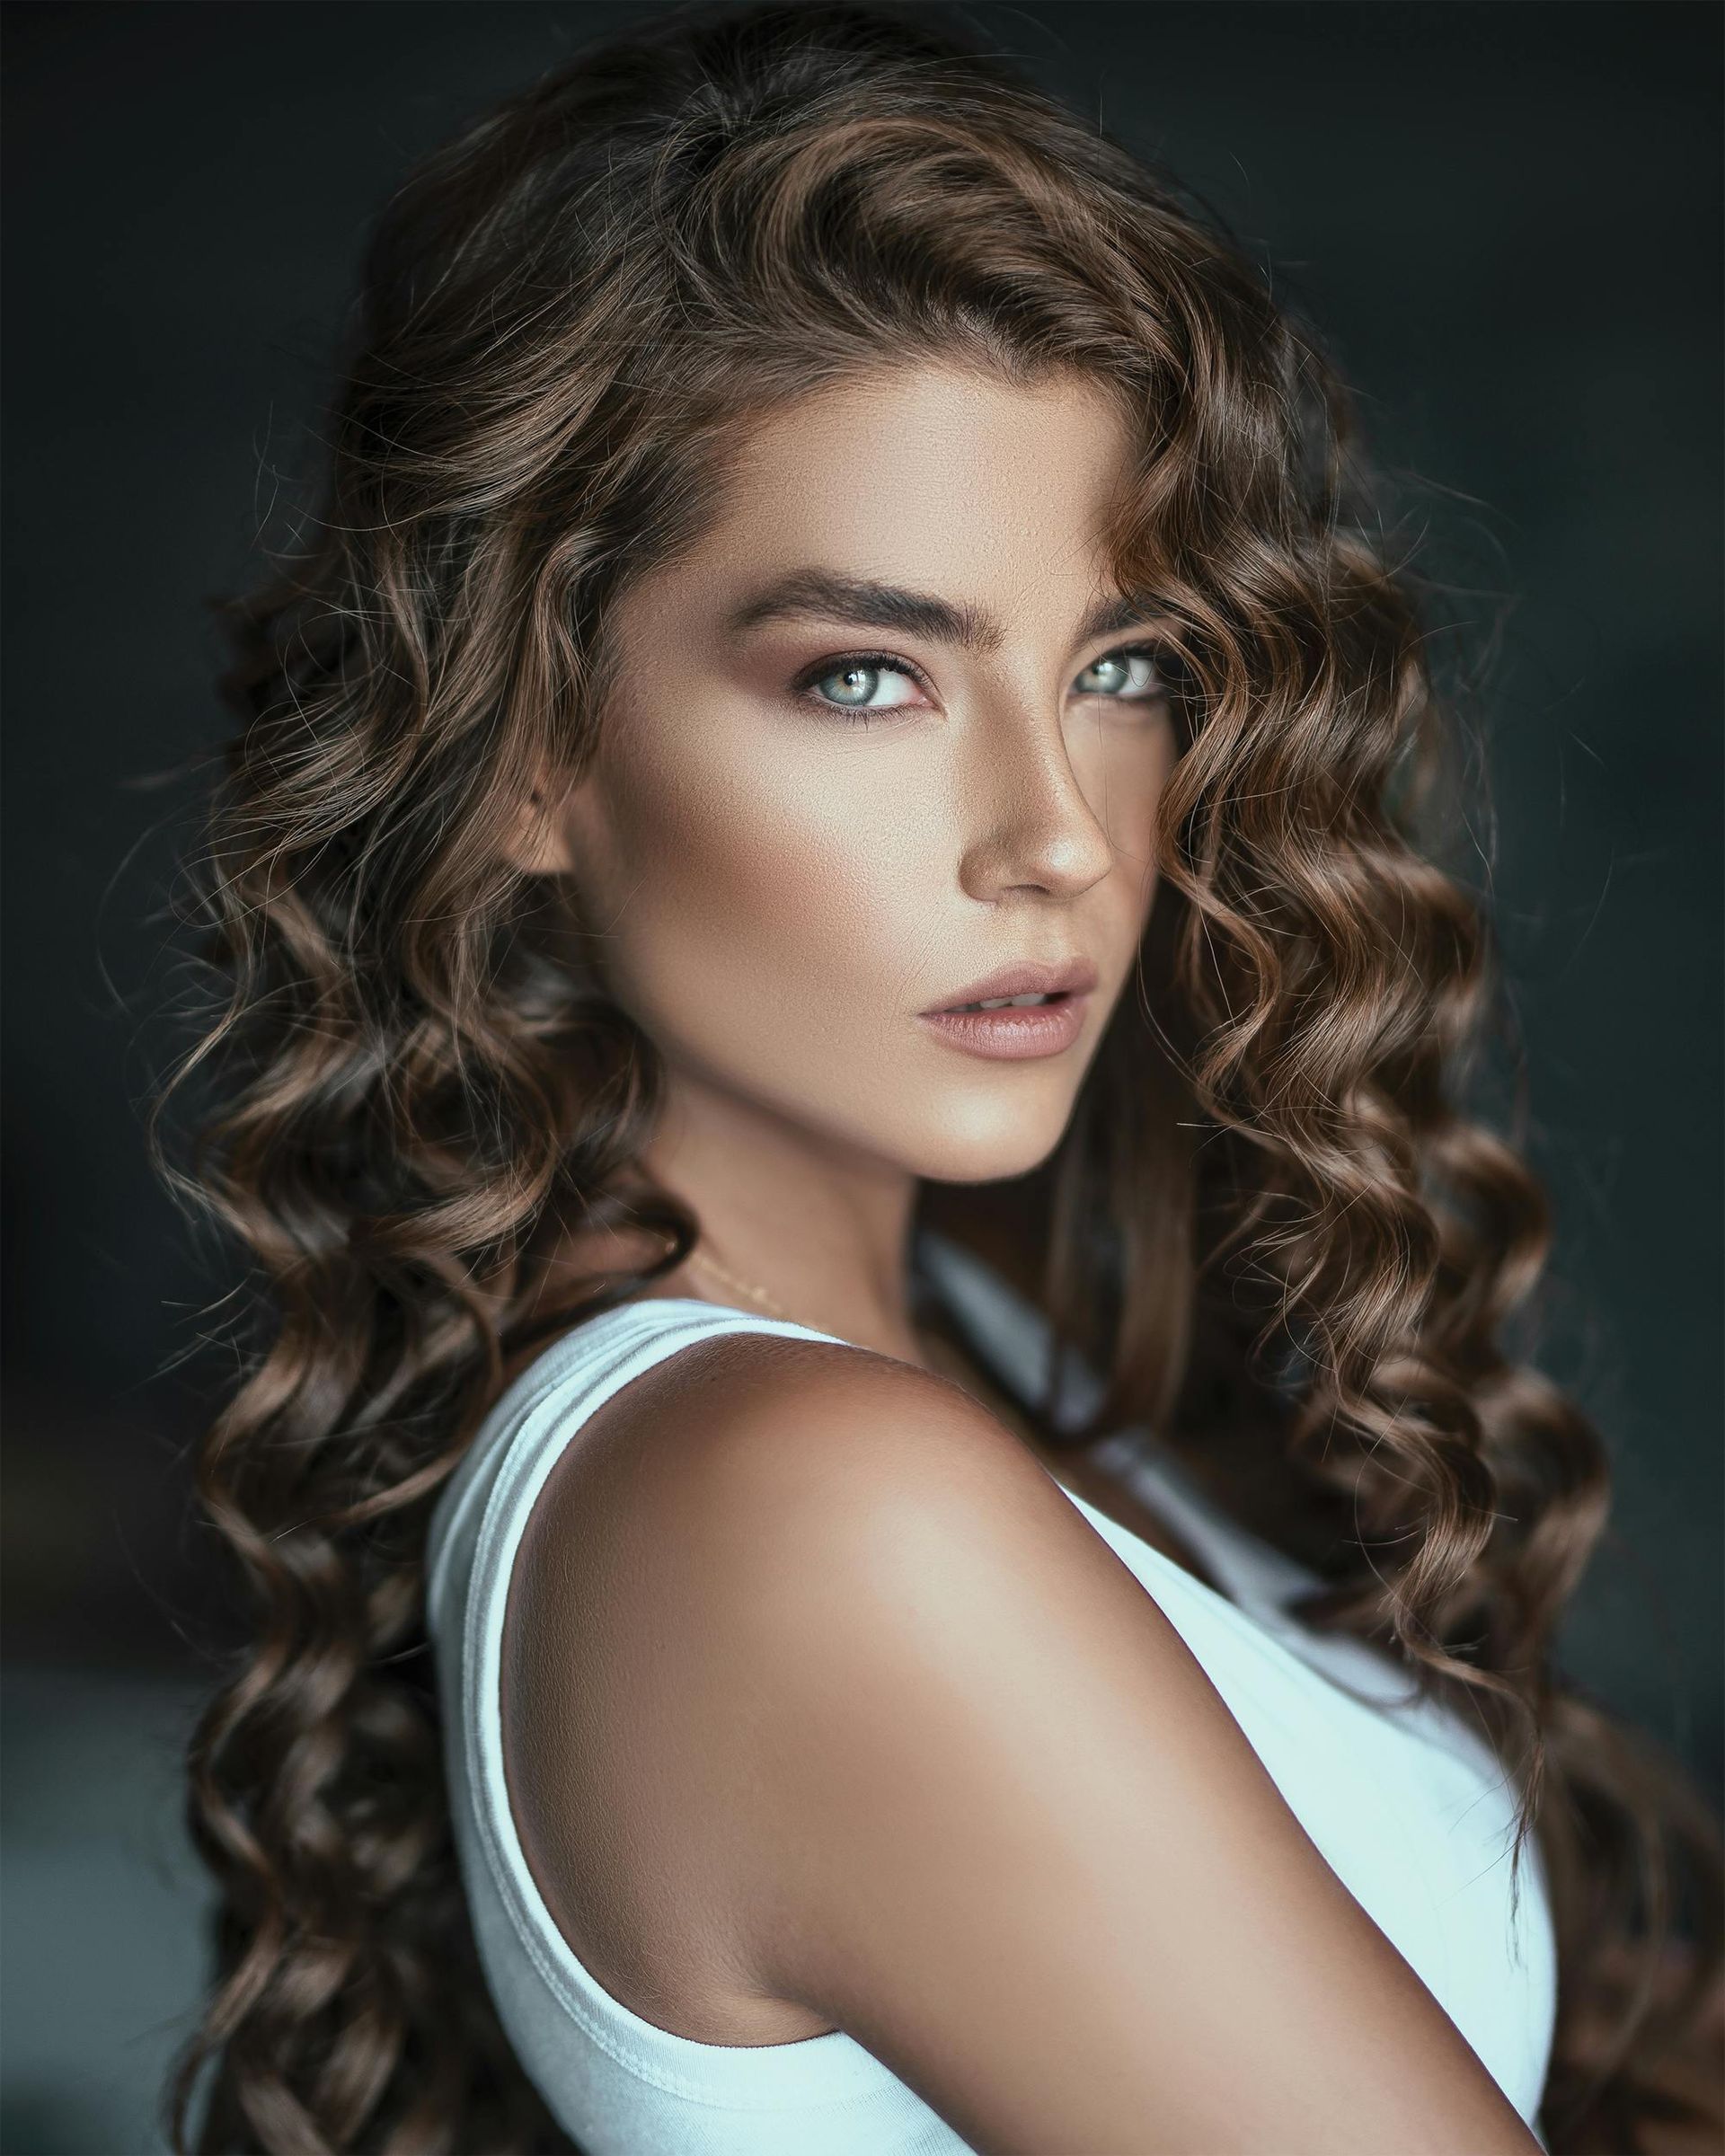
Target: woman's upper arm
x=1004 y=1830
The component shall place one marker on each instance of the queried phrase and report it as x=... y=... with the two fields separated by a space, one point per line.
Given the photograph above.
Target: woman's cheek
x=743 y=900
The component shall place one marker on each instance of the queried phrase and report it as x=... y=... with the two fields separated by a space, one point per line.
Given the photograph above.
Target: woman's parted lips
x=1023 y=976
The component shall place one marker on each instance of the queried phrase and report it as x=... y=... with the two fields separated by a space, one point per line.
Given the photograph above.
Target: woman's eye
x=853 y=685
x=1129 y=675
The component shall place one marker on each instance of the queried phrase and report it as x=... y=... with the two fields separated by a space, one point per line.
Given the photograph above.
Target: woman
x=842 y=1570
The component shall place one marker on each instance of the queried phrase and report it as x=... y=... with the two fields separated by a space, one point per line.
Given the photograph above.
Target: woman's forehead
x=961 y=497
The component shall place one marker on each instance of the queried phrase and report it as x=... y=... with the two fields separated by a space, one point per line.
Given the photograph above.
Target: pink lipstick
x=1039 y=1009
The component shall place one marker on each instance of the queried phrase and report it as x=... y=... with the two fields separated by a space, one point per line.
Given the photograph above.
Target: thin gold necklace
x=952 y=1363
x=702 y=1262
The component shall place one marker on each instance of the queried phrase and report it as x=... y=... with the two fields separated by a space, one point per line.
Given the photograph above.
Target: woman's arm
x=995 y=1820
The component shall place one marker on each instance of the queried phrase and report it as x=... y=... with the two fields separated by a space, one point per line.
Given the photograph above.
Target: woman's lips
x=1016 y=1033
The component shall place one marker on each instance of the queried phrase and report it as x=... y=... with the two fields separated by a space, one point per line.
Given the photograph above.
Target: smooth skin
x=823 y=1706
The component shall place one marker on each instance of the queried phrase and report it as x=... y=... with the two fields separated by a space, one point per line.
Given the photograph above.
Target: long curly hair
x=1269 y=1225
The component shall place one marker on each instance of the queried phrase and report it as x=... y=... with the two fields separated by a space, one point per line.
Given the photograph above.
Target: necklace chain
x=958 y=1367
x=707 y=1263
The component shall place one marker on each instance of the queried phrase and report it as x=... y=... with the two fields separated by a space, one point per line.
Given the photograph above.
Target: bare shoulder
x=754 y=1445
x=743 y=1480
x=782 y=1498
x=795 y=1441
x=866 y=1688
x=697 y=1511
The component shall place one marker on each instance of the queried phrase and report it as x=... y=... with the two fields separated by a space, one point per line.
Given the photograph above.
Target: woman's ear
x=538 y=843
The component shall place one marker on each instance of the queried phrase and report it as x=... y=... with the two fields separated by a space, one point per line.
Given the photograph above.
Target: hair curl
x=1268 y=1223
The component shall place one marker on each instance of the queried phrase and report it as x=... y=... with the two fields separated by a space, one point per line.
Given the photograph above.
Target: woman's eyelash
x=842 y=662
x=890 y=661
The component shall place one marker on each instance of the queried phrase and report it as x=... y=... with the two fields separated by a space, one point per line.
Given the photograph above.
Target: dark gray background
x=1507 y=218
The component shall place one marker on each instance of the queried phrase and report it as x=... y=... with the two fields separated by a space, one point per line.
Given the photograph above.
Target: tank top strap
x=534 y=1419
x=621 y=2080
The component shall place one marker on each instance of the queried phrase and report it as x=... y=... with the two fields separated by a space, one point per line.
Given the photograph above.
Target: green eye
x=1128 y=676
x=850 y=684
x=855 y=685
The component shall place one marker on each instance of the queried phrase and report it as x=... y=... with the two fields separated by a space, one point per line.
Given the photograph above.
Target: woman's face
x=869 y=742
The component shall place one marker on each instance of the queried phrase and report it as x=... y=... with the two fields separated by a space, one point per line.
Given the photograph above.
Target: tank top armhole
x=476 y=1535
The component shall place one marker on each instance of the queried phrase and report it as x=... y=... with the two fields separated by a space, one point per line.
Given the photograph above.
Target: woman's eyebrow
x=810 y=593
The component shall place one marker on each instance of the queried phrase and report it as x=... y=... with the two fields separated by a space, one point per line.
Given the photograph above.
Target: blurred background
x=1506 y=218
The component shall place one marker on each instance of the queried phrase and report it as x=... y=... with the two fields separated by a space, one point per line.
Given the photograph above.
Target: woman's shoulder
x=718 y=1537
x=735 y=1442
x=748 y=1517
x=836 y=1712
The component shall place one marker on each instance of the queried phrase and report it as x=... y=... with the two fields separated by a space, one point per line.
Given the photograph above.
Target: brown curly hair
x=1269 y=1224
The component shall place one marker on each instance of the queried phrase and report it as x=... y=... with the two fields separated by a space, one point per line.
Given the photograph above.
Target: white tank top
x=1405 y=1801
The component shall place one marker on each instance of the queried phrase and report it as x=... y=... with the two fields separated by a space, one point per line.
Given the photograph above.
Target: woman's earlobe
x=537 y=844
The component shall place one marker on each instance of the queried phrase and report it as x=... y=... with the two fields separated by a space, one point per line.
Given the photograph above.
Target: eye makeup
x=803 y=684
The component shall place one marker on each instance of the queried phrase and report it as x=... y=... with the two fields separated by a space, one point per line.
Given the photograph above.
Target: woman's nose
x=1028 y=821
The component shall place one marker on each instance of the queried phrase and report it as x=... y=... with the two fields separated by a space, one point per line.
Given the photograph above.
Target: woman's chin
x=1007 y=1146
